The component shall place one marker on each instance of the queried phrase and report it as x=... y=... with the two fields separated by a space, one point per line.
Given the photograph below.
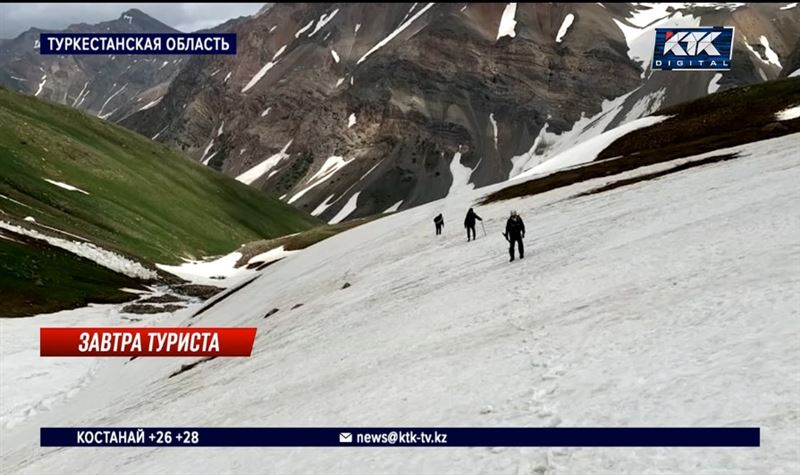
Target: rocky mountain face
x=346 y=110
x=108 y=86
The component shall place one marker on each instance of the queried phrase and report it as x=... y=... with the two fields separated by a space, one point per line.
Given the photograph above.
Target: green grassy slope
x=38 y=278
x=145 y=200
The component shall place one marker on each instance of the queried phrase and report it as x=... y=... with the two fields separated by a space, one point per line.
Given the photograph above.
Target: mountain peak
x=134 y=12
x=134 y=16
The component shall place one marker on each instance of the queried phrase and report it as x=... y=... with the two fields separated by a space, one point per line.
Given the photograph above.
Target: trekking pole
x=484 y=228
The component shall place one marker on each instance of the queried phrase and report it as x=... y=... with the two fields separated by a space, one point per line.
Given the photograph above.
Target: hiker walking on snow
x=469 y=223
x=515 y=232
x=439 y=222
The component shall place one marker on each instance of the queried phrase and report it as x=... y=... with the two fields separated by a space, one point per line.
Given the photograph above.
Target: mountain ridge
x=336 y=103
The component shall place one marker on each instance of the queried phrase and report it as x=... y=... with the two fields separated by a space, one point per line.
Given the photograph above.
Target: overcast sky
x=18 y=17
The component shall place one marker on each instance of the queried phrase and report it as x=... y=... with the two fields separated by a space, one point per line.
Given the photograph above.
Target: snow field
x=668 y=302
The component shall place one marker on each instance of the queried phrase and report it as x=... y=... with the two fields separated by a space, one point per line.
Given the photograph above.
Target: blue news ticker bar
x=401 y=437
x=137 y=43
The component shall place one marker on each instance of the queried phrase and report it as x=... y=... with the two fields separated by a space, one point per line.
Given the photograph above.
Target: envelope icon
x=345 y=437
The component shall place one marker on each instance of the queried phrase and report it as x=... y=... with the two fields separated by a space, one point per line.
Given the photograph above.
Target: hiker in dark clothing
x=439 y=222
x=515 y=232
x=469 y=223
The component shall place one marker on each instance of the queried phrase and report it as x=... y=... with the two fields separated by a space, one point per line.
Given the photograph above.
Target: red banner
x=146 y=341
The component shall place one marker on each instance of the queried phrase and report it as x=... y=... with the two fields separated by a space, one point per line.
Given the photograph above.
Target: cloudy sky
x=18 y=17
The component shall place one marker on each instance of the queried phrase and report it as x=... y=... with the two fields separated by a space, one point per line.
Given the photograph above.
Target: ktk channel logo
x=693 y=49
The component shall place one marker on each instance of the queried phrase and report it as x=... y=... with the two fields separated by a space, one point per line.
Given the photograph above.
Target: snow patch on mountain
x=789 y=114
x=279 y=52
x=108 y=114
x=112 y=96
x=507 y=22
x=208 y=159
x=323 y=20
x=346 y=210
x=80 y=94
x=351 y=120
x=772 y=56
x=394 y=33
x=394 y=207
x=304 y=29
x=323 y=206
x=549 y=144
x=103 y=257
x=41 y=85
x=259 y=170
x=640 y=30
x=336 y=58
x=205 y=152
x=562 y=31
x=590 y=149
x=260 y=74
x=266 y=111
x=646 y=105
x=373 y=167
x=227 y=76
x=159 y=133
x=528 y=159
x=214 y=272
x=788 y=6
x=65 y=186
x=494 y=129
x=461 y=175
x=646 y=14
x=151 y=104
x=713 y=84
x=83 y=98
x=331 y=166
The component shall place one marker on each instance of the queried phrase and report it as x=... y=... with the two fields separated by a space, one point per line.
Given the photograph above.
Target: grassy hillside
x=139 y=199
x=143 y=200
x=38 y=278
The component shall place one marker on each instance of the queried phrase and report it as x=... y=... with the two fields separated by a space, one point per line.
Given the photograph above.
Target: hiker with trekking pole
x=469 y=223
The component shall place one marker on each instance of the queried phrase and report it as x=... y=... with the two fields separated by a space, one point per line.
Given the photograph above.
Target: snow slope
x=589 y=150
x=669 y=302
x=548 y=145
x=53 y=380
x=220 y=271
